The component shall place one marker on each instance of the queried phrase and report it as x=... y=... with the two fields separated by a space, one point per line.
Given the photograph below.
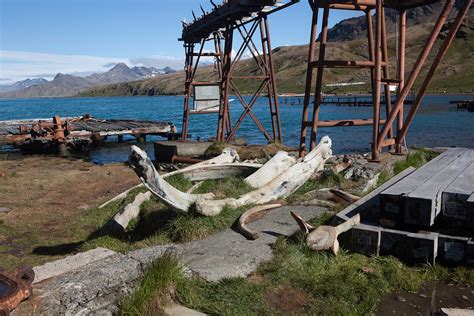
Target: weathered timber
x=364 y=239
x=409 y=247
x=423 y=204
x=391 y=199
x=17 y=131
x=454 y=202
x=452 y=250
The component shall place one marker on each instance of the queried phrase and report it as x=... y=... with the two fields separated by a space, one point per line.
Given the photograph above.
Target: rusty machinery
x=384 y=134
x=244 y=17
x=14 y=288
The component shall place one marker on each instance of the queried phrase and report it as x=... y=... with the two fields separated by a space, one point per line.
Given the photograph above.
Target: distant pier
x=464 y=105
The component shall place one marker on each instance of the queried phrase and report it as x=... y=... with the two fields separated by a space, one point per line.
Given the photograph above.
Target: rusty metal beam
x=415 y=72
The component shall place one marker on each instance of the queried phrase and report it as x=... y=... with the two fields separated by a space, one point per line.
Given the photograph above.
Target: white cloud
x=18 y=65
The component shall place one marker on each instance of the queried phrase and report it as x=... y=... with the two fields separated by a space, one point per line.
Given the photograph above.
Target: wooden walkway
x=16 y=131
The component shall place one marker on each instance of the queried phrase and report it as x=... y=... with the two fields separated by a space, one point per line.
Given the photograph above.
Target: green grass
x=349 y=284
x=417 y=159
x=328 y=179
x=225 y=188
x=155 y=288
x=157 y=224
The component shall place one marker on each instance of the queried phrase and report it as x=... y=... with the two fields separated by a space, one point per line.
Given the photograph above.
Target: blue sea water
x=438 y=123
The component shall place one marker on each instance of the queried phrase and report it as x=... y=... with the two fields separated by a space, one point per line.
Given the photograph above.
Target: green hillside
x=455 y=74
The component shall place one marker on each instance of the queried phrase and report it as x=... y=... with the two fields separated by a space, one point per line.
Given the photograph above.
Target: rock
x=456 y=312
x=94 y=287
x=401 y=299
x=422 y=295
x=68 y=264
x=180 y=310
x=228 y=254
x=464 y=297
x=5 y=210
x=84 y=207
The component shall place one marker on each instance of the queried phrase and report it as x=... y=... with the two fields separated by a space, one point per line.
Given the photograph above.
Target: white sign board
x=206 y=97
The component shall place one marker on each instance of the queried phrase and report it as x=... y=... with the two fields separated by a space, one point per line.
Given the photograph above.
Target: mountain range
x=19 y=85
x=68 y=85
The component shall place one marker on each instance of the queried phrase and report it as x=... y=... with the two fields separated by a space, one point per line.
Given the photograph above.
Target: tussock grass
x=417 y=159
x=155 y=289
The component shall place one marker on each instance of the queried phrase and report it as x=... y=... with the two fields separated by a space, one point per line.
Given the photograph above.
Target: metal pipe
x=319 y=77
x=276 y=121
x=439 y=56
x=401 y=73
x=378 y=79
x=309 y=79
x=416 y=70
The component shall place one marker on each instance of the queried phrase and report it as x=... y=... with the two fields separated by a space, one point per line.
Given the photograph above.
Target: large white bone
x=269 y=171
x=280 y=187
x=229 y=155
x=147 y=173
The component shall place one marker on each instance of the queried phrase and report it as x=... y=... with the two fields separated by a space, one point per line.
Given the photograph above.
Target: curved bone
x=280 y=187
x=325 y=237
x=333 y=195
x=229 y=155
x=273 y=168
x=147 y=173
x=244 y=218
x=218 y=171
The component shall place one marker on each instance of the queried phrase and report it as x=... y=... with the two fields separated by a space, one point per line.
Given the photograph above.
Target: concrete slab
x=92 y=289
x=228 y=254
x=58 y=267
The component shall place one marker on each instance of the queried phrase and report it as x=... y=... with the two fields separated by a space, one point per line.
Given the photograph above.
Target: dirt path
x=46 y=195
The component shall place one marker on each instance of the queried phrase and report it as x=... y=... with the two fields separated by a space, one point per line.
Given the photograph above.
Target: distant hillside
x=19 y=85
x=455 y=73
x=69 y=85
x=356 y=28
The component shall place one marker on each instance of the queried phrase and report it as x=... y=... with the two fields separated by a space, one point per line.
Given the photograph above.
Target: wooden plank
x=369 y=204
x=391 y=200
x=454 y=202
x=423 y=204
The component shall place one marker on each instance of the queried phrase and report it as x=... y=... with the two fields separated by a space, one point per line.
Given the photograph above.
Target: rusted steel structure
x=84 y=127
x=385 y=134
x=14 y=288
x=247 y=19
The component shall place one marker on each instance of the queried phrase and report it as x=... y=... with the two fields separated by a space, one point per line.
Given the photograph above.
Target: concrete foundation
x=166 y=150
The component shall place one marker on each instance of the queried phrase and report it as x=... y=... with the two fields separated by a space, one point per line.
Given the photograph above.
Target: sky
x=40 y=38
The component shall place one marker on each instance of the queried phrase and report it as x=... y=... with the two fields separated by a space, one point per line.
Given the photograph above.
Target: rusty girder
x=14 y=288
